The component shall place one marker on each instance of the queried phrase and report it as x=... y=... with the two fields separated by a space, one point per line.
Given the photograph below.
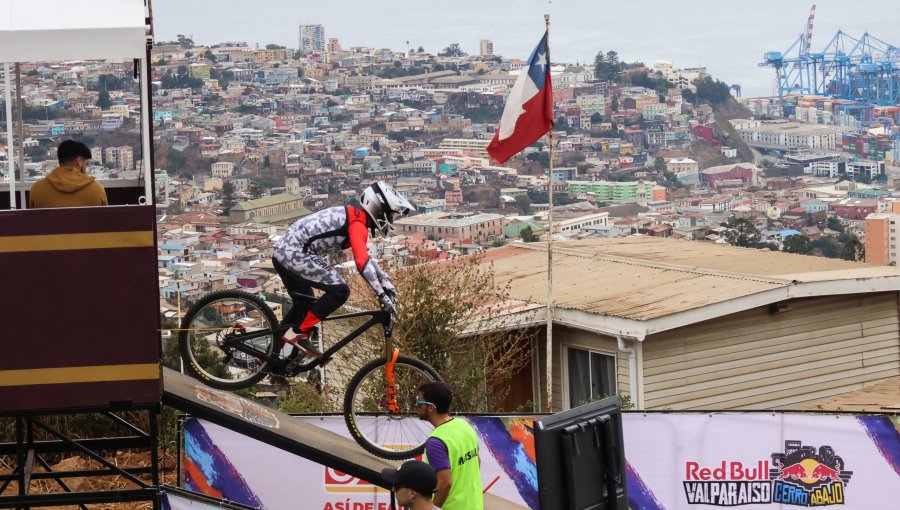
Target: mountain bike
x=231 y=340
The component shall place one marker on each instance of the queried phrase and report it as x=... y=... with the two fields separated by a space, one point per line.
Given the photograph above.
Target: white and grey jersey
x=305 y=244
x=320 y=233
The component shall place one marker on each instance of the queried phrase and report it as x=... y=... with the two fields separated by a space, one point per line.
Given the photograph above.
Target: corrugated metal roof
x=643 y=278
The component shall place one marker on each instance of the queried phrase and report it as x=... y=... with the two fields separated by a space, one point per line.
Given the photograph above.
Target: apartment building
x=486 y=48
x=470 y=145
x=222 y=169
x=629 y=191
x=591 y=103
x=120 y=158
x=452 y=226
x=682 y=166
x=312 y=39
x=783 y=134
x=882 y=230
x=200 y=70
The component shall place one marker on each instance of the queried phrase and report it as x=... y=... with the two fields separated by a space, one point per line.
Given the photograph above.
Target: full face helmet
x=383 y=204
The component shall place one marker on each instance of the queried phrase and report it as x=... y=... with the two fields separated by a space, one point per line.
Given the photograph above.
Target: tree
x=541 y=157
x=607 y=67
x=253 y=190
x=227 y=197
x=453 y=51
x=527 y=235
x=670 y=180
x=103 y=100
x=523 y=202
x=175 y=161
x=596 y=118
x=209 y=55
x=376 y=146
x=713 y=91
x=600 y=72
x=688 y=95
x=614 y=67
x=797 y=243
x=420 y=50
x=853 y=250
x=835 y=224
x=274 y=47
x=642 y=79
x=185 y=42
x=659 y=164
x=828 y=246
x=572 y=159
x=614 y=103
x=742 y=232
x=438 y=310
x=108 y=82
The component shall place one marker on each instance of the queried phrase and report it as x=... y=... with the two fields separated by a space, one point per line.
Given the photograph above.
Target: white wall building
x=312 y=39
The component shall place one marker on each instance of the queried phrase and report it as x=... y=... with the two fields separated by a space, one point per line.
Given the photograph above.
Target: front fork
x=391 y=354
x=390 y=382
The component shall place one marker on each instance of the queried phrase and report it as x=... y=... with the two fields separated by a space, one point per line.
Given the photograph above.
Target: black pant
x=334 y=295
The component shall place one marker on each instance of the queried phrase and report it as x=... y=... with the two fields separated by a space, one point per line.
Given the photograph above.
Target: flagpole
x=549 y=250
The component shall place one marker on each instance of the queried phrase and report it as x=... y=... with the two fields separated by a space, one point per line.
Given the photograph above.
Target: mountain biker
x=298 y=258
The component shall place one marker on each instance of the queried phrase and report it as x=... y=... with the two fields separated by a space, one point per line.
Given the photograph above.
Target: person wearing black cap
x=413 y=483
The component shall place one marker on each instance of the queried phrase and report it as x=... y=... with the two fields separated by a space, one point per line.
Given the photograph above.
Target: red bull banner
x=673 y=461
x=761 y=460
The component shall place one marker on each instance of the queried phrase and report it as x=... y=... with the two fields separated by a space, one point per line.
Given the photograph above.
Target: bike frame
x=239 y=343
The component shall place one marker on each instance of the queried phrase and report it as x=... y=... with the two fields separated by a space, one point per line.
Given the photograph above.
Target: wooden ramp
x=282 y=431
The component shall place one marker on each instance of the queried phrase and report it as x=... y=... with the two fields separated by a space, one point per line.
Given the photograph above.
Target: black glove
x=391 y=293
x=387 y=303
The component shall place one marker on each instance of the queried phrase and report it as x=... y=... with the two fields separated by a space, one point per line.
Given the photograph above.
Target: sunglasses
x=423 y=403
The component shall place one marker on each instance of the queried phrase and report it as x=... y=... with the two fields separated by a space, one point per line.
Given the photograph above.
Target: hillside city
x=249 y=139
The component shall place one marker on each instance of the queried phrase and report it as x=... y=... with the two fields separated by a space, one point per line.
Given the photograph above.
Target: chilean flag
x=528 y=113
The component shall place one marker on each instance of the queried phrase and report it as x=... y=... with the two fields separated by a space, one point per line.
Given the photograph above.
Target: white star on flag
x=541 y=61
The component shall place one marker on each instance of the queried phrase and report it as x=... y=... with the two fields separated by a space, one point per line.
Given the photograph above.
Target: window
x=591 y=375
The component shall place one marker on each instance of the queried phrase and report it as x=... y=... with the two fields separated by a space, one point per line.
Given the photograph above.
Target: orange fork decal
x=390 y=382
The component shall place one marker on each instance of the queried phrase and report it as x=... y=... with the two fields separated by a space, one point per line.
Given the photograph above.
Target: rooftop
x=448 y=219
x=662 y=284
x=265 y=202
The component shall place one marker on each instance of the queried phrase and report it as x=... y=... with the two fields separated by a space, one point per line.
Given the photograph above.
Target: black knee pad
x=341 y=292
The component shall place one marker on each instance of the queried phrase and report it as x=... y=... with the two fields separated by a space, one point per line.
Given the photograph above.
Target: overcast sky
x=726 y=36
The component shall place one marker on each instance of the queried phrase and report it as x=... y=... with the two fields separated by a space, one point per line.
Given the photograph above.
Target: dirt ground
x=167 y=466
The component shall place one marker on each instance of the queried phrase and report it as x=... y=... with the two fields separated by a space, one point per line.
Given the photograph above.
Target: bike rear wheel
x=390 y=435
x=217 y=317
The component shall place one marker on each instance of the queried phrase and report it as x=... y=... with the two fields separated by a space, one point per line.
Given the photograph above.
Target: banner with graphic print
x=761 y=460
x=674 y=461
x=224 y=464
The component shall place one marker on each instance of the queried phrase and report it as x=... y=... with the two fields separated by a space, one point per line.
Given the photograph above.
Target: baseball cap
x=413 y=474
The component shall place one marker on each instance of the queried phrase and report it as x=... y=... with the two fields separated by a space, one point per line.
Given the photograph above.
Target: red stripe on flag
x=530 y=126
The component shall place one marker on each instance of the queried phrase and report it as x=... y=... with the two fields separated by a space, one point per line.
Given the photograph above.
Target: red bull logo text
x=799 y=476
x=806 y=476
x=730 y=483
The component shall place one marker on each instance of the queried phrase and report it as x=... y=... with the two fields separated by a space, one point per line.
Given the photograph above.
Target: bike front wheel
x=394 y=435
x=208 y=333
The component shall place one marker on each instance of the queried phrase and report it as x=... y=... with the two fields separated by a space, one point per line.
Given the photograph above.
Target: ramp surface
x=284 y=432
